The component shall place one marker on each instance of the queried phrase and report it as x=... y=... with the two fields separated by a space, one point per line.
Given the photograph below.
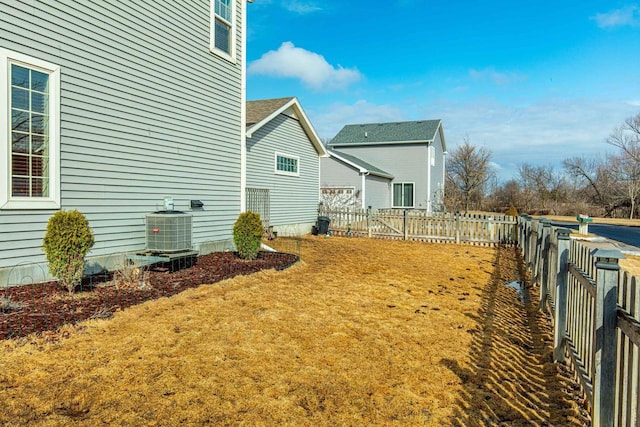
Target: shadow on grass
x=511 y=378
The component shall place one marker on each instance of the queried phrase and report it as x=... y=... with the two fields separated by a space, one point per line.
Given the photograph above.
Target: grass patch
x=360 y=332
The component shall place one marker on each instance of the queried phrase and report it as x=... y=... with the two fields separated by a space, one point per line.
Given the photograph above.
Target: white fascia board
x=302 y=118
x=441 y=130
x=348 y=162
x=256 y=126
x=308 y=128
x=360 y=169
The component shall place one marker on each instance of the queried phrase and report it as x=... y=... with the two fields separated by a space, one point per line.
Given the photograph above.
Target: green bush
x=67 y=240
x=247 y=234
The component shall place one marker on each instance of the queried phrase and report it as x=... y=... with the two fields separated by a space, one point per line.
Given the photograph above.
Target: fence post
x=538 y=248
x=457 y=227
x=406 y=224
x=524 y=238
x=560 y=324
x=369 y=220
x=491 y=226
x=532 y=242
x=604 y=363
x=545 y=258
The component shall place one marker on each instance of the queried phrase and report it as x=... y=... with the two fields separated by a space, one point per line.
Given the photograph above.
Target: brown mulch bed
x=46 y=306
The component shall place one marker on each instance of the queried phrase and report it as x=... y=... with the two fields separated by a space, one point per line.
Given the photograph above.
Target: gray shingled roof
x=258 y=110
x=421 y=130
x=368 y=166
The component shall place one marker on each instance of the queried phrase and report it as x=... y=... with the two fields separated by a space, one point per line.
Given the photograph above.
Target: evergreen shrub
x=67 y=241
x=247 y=234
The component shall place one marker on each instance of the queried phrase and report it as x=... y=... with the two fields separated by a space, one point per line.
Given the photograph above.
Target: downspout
x=319 y=179
x=364 y=189
x=243 y=111
x=444 y=175
x=428 y=178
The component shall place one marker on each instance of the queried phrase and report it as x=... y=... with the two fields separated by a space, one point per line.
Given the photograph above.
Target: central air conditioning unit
x=168 y=231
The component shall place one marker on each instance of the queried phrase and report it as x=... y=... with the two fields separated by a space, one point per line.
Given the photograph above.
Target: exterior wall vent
x=168 y=231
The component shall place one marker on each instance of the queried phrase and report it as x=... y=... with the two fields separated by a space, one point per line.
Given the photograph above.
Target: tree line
x=604 y=185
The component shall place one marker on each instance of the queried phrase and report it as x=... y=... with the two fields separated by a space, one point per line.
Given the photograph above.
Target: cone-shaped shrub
x=67 y=241
x=247 y=234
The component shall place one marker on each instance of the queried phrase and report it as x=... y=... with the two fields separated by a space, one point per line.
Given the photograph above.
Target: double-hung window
x=403 y=195
x=29 y=132
x=287 y=165
x=223 y=28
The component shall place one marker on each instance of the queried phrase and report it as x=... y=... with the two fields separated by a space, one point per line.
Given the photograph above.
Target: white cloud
x=311 y=68
x=626 y=16
x=500 y=79
x=301 y=7
x=542 y=133
x=330 y=119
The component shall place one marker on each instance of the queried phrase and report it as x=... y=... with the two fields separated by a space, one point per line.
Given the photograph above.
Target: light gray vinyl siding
x=147 y=111
x=294 y=199
x=334 y=173
x=378 y=194
x=407 y=163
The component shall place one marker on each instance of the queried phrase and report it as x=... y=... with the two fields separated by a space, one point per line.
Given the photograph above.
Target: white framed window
x=223 y=29
x=287 y=165
x=29 y=132
x=403 y=194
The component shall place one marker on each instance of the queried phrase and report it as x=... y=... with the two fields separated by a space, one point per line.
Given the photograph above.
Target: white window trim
x=279 y=172
x=7 y=58
x=413 y=197
x=229 y=56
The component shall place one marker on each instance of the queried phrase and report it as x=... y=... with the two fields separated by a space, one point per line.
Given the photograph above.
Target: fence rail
x=595 y=310
x=414 y=224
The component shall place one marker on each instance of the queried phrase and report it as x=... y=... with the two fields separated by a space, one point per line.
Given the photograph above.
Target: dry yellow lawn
x=361 y=332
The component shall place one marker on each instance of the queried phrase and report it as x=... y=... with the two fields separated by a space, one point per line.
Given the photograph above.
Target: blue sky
x=534 y=82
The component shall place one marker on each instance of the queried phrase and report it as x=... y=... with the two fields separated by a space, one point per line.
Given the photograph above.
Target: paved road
x=621 y=233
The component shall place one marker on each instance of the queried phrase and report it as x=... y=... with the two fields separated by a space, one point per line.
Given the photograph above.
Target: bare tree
x=627 y=137
x=506 y=195
x=543 y=184
x=468 y=172
x=598 y=180
x=627 y=172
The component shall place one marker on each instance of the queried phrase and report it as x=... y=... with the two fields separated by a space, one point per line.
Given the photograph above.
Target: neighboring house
x=283 y=165
x=388 y=165
x=109 y=107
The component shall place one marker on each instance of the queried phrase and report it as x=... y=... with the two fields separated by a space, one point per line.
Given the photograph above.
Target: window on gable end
x=287 y=165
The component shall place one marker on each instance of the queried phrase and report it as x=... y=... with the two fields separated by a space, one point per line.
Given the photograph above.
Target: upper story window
x=403 y=195
x=223 y=28
x=287 y=165
x=29 y=132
